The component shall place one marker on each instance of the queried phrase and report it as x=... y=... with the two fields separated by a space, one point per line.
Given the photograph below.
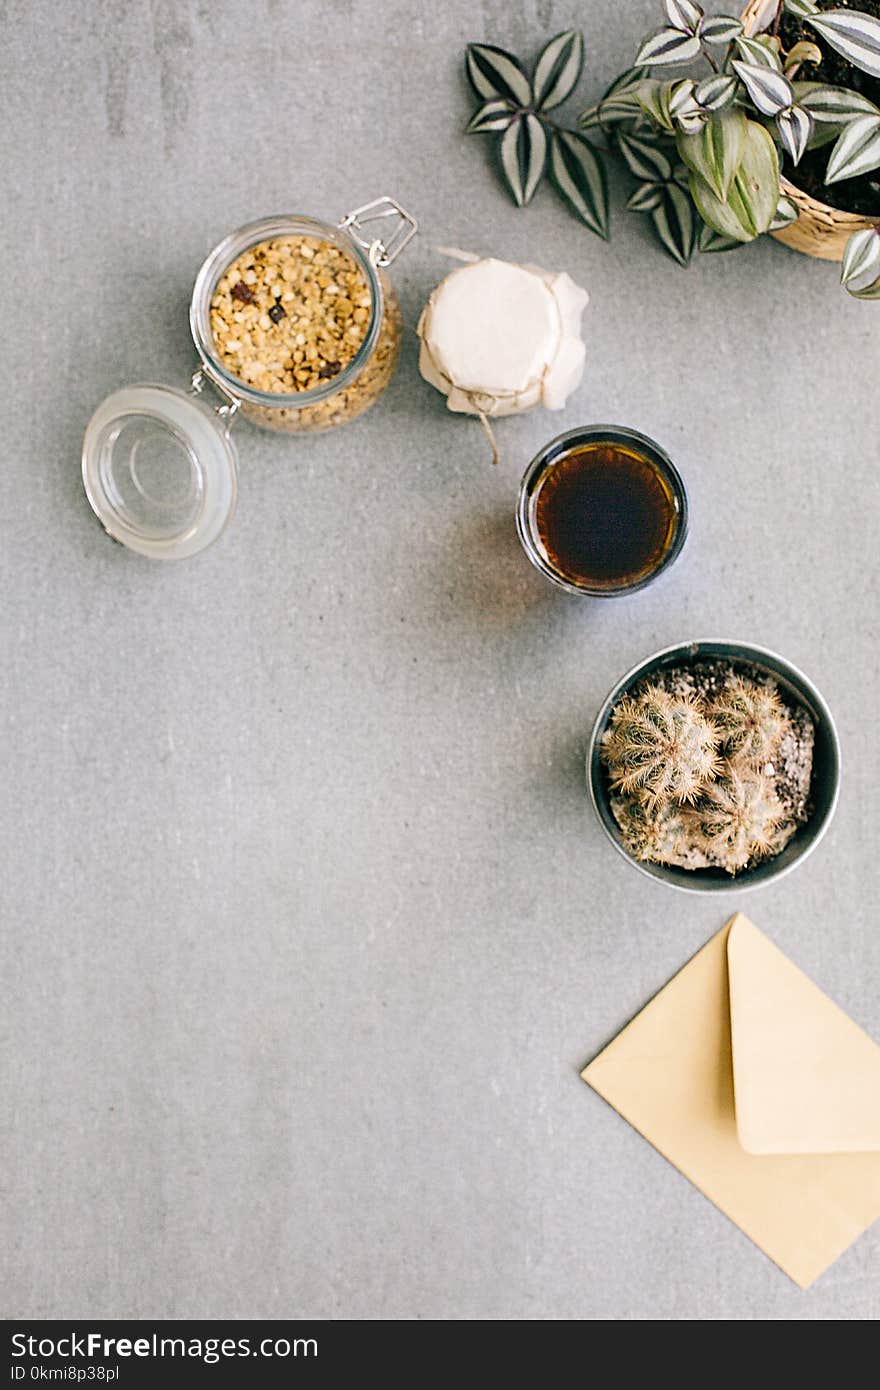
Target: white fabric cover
x=498 y=339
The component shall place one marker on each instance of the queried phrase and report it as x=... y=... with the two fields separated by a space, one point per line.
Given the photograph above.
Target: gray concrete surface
x=307 y=923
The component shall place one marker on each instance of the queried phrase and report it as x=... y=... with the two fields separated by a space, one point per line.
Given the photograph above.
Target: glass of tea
x=602 y=510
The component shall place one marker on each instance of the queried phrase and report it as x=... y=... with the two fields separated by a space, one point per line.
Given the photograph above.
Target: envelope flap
x=806 y=1077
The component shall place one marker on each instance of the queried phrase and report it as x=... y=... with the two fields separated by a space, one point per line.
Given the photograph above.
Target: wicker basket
x=820 y=230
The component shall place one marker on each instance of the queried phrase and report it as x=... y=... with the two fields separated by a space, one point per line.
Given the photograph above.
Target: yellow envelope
x=762 y=1092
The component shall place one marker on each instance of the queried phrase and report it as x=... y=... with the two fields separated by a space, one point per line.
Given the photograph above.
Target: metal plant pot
x=826 y=766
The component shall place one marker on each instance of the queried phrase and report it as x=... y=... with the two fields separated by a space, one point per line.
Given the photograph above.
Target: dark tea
x=605 y=515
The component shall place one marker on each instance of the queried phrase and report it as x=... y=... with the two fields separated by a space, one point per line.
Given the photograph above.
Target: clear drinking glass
x=614 y=438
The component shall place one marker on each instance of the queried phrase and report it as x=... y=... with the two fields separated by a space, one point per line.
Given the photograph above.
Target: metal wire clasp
x=230 y=404
x=381 y=252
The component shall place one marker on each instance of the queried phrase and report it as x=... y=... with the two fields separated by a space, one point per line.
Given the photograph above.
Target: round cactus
x=655 y=836
x=661 y=746
x=739 y=817
x=751 y=720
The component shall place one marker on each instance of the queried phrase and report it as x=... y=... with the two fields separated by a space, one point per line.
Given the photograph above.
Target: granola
x=290 y=314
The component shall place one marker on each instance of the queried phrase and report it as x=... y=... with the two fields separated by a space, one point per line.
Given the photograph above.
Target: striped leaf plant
x=704 y=146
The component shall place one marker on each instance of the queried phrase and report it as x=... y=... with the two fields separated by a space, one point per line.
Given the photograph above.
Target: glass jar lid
x=160 y=470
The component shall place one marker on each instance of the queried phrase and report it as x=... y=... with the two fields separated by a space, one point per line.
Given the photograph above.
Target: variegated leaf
x=646 y=161
x=654 y=100
x=720 y=29
x=668 y=46
x=492 y=115
x=623 y=106
x=683 y=15
x=786 y=213
x=627 y=81
x=715 y=152
x=710 y=240
x=689 y=114
x=716 y=92
x=853 y=34
x=620 y=102
x=835 y=105
x=717 y=215
x=857 y=150
x=681 y=94
x=493 y=72
x=754 y=192
x=675 y=223
x=759 y=52
x=523 y=154
x=769 y=91
x=868 y=292
x=558 y=69
x=646 y=198
x=861 y=257
x=578 y=175
x=802 y=8
x=795 y=127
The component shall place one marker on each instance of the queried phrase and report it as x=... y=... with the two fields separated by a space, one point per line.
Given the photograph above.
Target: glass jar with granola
x=297 y=327
x=297 y=320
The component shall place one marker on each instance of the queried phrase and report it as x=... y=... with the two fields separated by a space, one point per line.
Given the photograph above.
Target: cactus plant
x=751 y=721
x=661 y=746
x=738 y=816
x=694 y=766
x=662 y=835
